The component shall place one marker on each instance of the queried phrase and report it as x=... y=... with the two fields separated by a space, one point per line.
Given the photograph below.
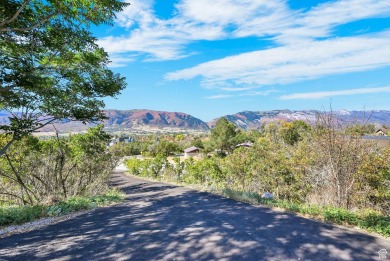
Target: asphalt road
x=164 y=222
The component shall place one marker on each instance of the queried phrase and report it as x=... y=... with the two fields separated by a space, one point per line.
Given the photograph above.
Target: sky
x=213 y=58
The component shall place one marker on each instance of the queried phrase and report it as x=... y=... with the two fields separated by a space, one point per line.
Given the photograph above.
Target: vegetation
x=370 y=220
x=53 y=70
x=13 y=215
x=222 y=135
x=35 y=171
x=51 y=67
x=322 y=170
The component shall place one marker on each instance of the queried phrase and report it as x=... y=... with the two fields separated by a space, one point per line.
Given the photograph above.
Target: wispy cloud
x=259 y=93
x=320 y=20
x=237 y=89
x=320 y=95
x=293 y=63
x=120 y=61
x=219 y=96
x=194 y=20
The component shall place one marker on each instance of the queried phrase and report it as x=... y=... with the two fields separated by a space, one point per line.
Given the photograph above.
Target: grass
x=14 y=215
x=369 y=220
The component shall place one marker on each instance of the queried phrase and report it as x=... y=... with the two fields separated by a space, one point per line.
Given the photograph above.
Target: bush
x=36 y=170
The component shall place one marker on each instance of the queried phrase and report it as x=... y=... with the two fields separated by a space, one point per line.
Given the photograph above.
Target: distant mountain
x=254 y=119
x=158 y=119
x=140 y=120
x=149 y=120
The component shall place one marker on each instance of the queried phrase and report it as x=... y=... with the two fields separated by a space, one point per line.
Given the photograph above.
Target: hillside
x=139 y=120
x=149 y=120
x=254 y=119
x=158 y=119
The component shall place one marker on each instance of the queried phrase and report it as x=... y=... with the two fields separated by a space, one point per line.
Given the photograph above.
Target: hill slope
x=159 y=119
x=254 y=119
x=149 y=119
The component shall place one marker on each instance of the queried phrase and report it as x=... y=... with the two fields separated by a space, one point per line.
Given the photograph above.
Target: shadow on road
x=163 y=222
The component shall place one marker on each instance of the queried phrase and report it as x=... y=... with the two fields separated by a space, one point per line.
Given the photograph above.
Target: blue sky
x=212 y=58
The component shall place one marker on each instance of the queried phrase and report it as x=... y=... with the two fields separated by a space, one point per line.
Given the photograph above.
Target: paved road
x=164 y=222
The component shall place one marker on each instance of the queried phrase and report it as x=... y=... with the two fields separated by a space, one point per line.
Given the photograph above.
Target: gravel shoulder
x=36 y=224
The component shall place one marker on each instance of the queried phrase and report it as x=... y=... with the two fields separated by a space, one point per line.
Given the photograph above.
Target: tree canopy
x=222 y=135
x=52 y=68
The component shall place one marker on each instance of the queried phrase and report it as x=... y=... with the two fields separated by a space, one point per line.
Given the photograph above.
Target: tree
x=292 y=132
x=360 y=129
x=222 y=135
x=51 y=67
x=36 y=170
x=197 y=142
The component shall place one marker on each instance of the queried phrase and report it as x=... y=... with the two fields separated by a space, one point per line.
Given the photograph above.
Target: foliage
x=52 y=69
x=13 y=215
x=122 y=149
x=372 y=221
x=373 y=181
x=358 y=129
x=206 y=171
x=222 y=135
x=320 y=170
x=164 y=149
x=197 y=142
x=42 y=170
x=292 y=132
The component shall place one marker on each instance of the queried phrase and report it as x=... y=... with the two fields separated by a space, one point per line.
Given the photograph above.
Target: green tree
x=51 y=67
x=292 y=132
x=35 y=170
x=359 y=129
x=223 y=134
x=197 y=142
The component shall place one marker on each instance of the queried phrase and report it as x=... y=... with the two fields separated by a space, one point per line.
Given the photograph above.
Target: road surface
x=164 y=222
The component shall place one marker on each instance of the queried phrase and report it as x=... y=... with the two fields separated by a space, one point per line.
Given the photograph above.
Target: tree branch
x=25 y=3
x=6 y=147
x=28 y=29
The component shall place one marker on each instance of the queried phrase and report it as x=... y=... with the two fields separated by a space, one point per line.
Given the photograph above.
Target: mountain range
x=149 y=120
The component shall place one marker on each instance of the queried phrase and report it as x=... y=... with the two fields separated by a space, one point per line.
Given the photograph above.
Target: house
x=247 y=144
x=121 y=139
x=191 y=152
x=382 y=132
x=126 y=139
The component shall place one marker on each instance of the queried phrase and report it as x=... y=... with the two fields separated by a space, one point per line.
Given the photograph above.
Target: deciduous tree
x=222 y=135
x=51 y=66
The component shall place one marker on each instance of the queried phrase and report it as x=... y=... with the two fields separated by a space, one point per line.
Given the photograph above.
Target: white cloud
x=299 y=55
x=120 y=61
x=320 y=95
x=248 y=18
x=194 y=20
x=219 y=96
x=293 y=63
x=320 y=20
x=138 y=12
x=259 y=93
x=341 y=12
x=237 y=89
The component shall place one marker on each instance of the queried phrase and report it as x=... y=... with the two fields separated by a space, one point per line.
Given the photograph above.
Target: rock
x=267 y=195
